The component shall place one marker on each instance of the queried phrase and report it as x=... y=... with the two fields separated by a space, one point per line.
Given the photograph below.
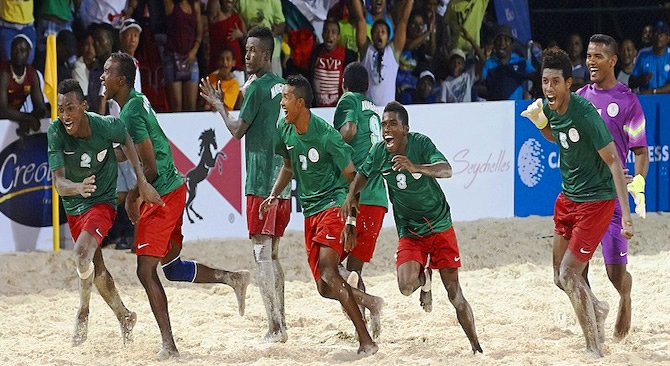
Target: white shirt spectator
x=458 y=89
x=101 y=11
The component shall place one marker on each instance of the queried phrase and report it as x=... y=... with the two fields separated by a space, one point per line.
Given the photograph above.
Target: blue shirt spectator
x=652 y=68
x=505 y=72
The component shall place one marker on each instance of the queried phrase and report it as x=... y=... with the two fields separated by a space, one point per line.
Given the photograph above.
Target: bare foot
x=476 y=348
x=239 y=285
x=80 y=328
x=622 y=325
x=594 y=352
x=601 y=310
x=167 y=352
x=368 y=349
x=375 y=317
x=426 y=300
x=276 y=337
x=127 y=324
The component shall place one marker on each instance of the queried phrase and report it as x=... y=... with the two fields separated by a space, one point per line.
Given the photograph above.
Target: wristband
x=351 y=221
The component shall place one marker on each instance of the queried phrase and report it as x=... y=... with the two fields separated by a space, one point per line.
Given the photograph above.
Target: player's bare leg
x=332 y=286
x=279 y=280
x=623 y=282
x=601 y=308
x=267 y=273
x=463 y=310
x=146 y=272
x=84 y=250
x=238 y=280
x=355 y=265
x=411 y=275
x=582 y=299
x=105 y=284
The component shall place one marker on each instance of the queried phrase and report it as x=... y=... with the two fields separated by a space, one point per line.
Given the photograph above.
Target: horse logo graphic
x=204 y=167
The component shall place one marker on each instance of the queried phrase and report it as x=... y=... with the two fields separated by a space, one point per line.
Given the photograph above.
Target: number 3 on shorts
x=401 y=181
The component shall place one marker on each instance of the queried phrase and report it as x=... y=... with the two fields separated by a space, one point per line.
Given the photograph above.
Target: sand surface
x=521 y=317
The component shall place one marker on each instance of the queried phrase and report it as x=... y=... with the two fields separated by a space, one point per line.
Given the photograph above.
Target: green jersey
x=142 y=123
x=260 y=110
x=580 y=133
x=82 y=158
x=318 y=158
x=359 y=109
x=419 y=205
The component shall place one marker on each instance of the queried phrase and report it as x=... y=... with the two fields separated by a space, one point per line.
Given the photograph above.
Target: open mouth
x=593 y=72
x=390 y=141
x=68 y=125
x=551 y=99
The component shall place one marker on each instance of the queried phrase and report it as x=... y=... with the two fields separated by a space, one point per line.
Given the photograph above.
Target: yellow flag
x=51 y=75
x=51 y=91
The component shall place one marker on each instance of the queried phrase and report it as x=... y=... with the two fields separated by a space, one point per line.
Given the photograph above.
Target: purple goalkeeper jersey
x=622 y=113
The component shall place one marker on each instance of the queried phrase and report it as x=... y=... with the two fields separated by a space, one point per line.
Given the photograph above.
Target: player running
x=257 y=121
x=620 y=109
x=410 y=164
x=84 y=172
x=592 y=179
x=321 y=162
x=357 y=120
x=159 y=238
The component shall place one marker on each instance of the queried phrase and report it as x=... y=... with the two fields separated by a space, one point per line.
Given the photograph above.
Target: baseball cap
x=456 y=52
x=662 y=27
x=426 y=73
x=129 y=23
x=503 y=30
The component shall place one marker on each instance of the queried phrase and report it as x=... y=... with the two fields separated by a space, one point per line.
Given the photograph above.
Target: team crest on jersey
x=101 y=155
x=563 y=139
x=313 y=155
x=612 y=110
x=416 y=176
x=573 y=134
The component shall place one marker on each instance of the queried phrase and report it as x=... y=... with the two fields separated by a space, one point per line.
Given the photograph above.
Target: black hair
x=301 y=88
x=557 y=59
x=355 y=78
x=265 y=35
x=332 y=21
x=71 y=85
x=400 y=110
x=608 y=41
x=417 y=12
x=381 y=21
x=126 y=66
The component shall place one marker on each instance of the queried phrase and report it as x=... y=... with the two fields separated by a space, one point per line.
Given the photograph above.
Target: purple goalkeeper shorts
x=615 y=246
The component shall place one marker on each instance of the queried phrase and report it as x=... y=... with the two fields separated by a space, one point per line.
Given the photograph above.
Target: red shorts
x=442 y=247
x=583 y=224
x=368 y=224
x=325 y=229
x=273 y=223
x=159 y=227
x=96 y=221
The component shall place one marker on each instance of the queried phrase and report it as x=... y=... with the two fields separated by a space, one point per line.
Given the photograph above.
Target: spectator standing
x=343 y=12
x=378 y=12
x=380 y=56
x=54 y=16
x=66 y=52
x=457 y=87
x=424 y=92
x=85 y=63
x=102 y=11
x=103 y=41
x=627 y=55
x=327 y=66
x=226 y=30
x=575 y=49
x=418 y=52
x=652 y=68
x=266 y=13
x=505 y=72
x=223 y=76
x=18 y=80
x=16 y=17
x=646 y=37
x=180 y=65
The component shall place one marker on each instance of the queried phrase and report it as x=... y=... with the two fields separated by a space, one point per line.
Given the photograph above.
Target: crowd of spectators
x=413 y=51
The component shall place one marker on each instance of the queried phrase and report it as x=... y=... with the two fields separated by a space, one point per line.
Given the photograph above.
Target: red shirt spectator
x=226 y=29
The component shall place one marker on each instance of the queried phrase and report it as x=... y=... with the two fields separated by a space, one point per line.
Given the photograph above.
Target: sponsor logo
x=140 y=246
x=101 y=156
x=25 y=182
x=529 y=162
x=97 y=231
x=573 y=134
x=494 y=163
x=289 y=147
x=613 y=110
x=456 y=259
x=313 y=155
x=581 y=250
x=622 y=254
x=330 y=237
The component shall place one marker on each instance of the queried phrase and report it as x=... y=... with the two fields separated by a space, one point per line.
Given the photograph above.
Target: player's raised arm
x=214 y=96
x=535 y=114
x=609 y=156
